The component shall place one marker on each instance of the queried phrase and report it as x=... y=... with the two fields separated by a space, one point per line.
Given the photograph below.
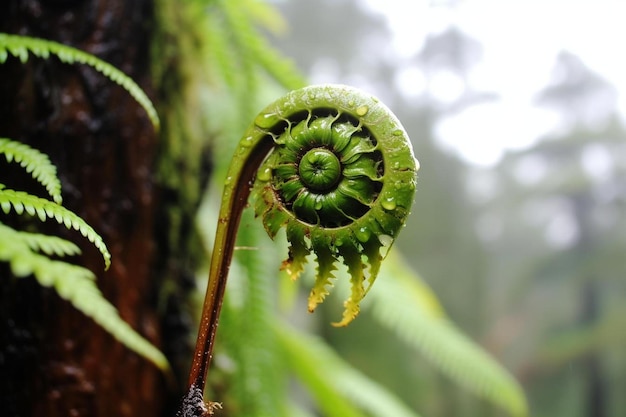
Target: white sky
x=520 y=40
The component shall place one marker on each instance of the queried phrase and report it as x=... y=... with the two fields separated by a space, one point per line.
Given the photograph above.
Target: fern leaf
x=36 y=163
x=401 y=304
x=20 y=46
x=333 y=381
x=73 y=283
x=253 y=48
x=44 y=209
x=258 y=377
x=50 y=245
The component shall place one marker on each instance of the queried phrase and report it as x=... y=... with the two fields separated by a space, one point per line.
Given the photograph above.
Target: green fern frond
x=72 y=282
x=403 y=305
x=255 y=49
x=36 y=163
x=336 y=386
x=44 y=209
x=50 y=245
x=20 y=46
x=242 y=46
x=258 y=381
x=222 y=56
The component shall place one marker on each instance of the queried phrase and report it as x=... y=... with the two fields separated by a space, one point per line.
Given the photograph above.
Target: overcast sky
x=520 y=41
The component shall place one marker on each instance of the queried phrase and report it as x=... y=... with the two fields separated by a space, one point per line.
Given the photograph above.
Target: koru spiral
x=341 y=177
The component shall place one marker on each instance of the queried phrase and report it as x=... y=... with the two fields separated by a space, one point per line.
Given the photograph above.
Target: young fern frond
x=20 y=46
x=72 y=282
x=406 y=307
x=335 y=167
x=46 y=209
x=35 y=163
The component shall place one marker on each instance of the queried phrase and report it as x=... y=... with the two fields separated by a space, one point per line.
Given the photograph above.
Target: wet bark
x=54 y=361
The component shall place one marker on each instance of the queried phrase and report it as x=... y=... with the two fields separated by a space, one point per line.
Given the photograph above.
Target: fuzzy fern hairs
x=332 y=165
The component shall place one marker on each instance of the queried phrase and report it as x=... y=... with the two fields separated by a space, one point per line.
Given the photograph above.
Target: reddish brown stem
x=234 y=201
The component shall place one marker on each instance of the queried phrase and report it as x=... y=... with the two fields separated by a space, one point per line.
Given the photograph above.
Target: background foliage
x=526 y=256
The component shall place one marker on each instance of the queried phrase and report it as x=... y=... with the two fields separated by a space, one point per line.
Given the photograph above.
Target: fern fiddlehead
x=334 y=167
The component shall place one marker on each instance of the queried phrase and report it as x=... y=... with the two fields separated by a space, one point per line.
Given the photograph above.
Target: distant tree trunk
x=54 y=361
x=596 y=389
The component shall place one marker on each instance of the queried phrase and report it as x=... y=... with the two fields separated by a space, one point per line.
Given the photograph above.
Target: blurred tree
x=557 y=240
x=55 y=361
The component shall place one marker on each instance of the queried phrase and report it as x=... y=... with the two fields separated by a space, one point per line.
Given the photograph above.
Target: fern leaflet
x=44 y=209
x=72 y=282
x=406 y=307
x=336 y=381
x=20 y=46
x=34 y=162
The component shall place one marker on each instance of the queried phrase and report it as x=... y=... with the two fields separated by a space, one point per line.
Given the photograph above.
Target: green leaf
x=36 y=163
x=73 y=283
x=45 y=209
x=336 y=386
x=405 y=305
x=19 y=46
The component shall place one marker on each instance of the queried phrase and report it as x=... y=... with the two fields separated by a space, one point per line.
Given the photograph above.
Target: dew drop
x=417 y=165
x=385 y=240
x=246 y=142
x=363 y=234
x=362 y=111
x=228 y=180
x=265 y=174
x=265 y=120
x=318 y=203
x=389 y=203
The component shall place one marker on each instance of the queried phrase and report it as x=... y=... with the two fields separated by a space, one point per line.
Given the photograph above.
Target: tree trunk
x=54 y=361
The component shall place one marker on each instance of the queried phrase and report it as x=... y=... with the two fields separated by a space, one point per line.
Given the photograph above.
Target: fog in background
x=515 y=113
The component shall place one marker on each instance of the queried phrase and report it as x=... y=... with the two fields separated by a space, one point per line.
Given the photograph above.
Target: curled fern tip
x=341 y=178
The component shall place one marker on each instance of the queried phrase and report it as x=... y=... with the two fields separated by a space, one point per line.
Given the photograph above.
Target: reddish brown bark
x=54 y=361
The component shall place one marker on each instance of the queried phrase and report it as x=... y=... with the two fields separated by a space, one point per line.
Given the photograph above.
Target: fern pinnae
x=239 y=27
x=36 y=163
x=46 y=209
x=72 y=282
x=51 y=245
x=258 y=361
x=19 y=46
x=409 y=310
x=306 y=353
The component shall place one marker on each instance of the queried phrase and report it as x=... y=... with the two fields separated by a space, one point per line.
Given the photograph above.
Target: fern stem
x=233 y=203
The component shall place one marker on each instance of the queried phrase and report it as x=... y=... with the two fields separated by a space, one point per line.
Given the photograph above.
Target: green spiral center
x=326 y=169
x=320 y=169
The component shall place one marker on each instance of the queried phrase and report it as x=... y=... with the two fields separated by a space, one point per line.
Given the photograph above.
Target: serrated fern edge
x=46 y=209
x=73 y=283
x=36 y=163
x=19 y=46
